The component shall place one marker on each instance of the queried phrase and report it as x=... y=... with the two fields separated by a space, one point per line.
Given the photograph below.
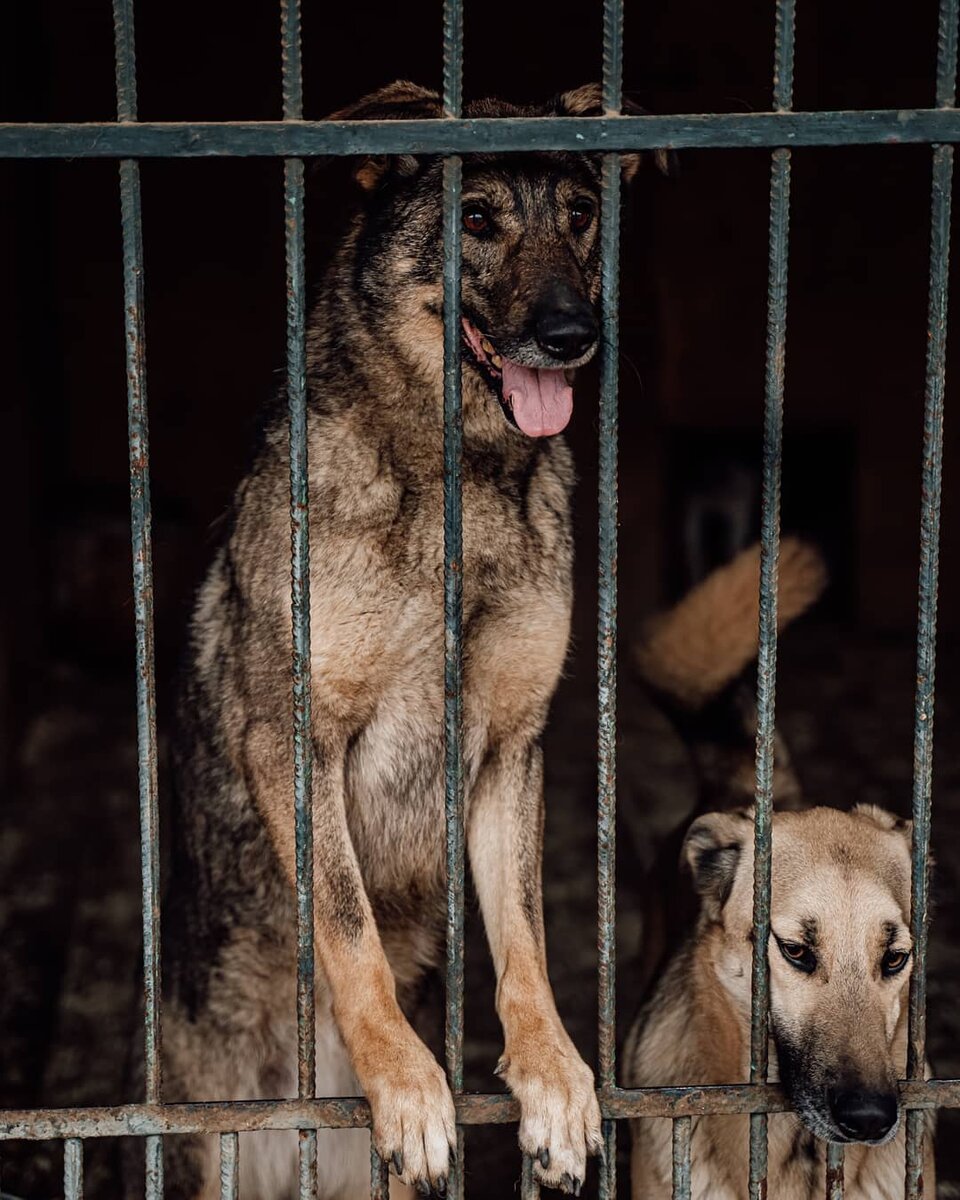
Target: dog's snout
x=564 y=325
x=863 y=1116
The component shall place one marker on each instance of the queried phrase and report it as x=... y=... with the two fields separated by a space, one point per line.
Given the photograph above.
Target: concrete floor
x=69 y=915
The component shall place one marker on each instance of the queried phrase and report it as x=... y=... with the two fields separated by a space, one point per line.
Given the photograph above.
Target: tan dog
x=840 y=960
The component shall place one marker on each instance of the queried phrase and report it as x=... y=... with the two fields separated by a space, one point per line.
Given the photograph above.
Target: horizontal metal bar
x=251 y=1116
x=304 y=139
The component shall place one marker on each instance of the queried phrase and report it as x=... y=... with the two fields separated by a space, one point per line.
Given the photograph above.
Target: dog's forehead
x=824 y=858
x=510 y=177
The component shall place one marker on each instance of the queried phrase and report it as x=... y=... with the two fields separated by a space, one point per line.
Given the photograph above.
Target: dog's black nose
x=565 y=326
x=861 y=1115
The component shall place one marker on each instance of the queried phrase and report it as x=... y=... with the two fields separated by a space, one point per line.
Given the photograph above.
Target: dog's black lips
x=492 y=375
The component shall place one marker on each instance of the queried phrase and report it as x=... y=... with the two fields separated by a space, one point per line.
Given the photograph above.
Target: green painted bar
x=607 y=591
x=931 y=485
x=142 y=553
x=229 y=1166
x=73 y=1169
x=454 y=812
x=304 y=139
x=497 y=1108
x=834 y=1172
x=682 y=1131
x=769 y=559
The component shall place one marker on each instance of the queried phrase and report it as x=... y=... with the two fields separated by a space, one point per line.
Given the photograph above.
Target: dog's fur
x=375 y=364
x=695 y=660
x=841 y=893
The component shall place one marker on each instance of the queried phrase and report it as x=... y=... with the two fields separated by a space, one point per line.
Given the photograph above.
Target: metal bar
x=293 y=198
x=379 y=1177
x=142 y=550
x=942 y=189
x=199 y=139
x=681 y=1158
x=769 y=562
x=607 y=591
x=73 y=1169
x=834 y=1172
x=529 y=1188
x=496 y=1108
x=453 y=573
x=229 y=1166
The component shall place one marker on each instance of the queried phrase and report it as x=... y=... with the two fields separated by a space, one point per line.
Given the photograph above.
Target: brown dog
x=375 y=358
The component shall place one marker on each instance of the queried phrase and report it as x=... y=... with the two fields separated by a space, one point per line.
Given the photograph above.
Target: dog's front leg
x=413 y=1114
x=560 y=1117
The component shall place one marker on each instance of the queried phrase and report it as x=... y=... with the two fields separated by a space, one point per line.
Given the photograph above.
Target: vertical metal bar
x=379 y=1177
x=834 y=1188
x=681 y=1158
x=607 y=591
x=229 y=1166
x=769 y=563
x=73 y=1169
x=529 y=1188
x=942 y=189
x=141 y=541
x=293 y=188
x=453 y=571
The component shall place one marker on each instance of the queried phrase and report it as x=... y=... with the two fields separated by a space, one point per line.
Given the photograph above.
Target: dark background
x=693 y=336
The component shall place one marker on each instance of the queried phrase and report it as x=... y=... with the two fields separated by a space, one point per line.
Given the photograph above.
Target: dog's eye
x=894 y=961
x=799 y=956
x=475 y=219
x=581 y=214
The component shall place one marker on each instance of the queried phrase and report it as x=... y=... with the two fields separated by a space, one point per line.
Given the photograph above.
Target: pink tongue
x=541 y=400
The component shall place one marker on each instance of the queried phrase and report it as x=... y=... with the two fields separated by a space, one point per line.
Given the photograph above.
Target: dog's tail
x=693 y=658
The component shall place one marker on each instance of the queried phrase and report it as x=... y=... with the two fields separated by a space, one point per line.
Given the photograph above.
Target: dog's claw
x=501 y=1068
x=441 y=1186
x=543 y=1157
x=423 y=1188
x=577 y=1185
x=566 y=1183
x=398 y=1161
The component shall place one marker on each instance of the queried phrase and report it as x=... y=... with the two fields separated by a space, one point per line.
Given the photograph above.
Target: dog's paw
x=559 y=1113
x=414 y=1122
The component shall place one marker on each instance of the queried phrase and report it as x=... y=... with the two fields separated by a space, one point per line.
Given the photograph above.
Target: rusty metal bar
x=453 y=572
x=529 y=1188
x=142 y=550
x=229 y=1166
x=681 y=1158
x=942 y=189
x=607 y=590
x=834 y=1171
x=497 y=1108
x=681 y=131
x=379 y=1177
x=293 y=189
x=73 y=1169
x=769 y=556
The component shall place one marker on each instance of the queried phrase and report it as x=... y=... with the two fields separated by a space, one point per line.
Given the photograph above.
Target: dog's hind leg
x=559 y=1114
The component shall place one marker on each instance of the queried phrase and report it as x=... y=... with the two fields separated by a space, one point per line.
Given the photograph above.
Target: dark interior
x=691 y=392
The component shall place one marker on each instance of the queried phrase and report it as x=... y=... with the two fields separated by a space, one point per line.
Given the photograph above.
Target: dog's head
x=840 y=954
x=531 y=259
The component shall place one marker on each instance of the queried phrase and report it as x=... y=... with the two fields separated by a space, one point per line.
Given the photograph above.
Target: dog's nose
x=862 y=1115
x=565 y=327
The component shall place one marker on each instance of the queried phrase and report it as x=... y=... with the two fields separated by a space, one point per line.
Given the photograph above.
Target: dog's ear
x=587 y=101
x=887 y=821
x=711 y=852
x=399 y=101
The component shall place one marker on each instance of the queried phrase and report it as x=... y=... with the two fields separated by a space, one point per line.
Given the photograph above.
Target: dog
x=695 y=660
x=840 y=960
x=530 y=281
